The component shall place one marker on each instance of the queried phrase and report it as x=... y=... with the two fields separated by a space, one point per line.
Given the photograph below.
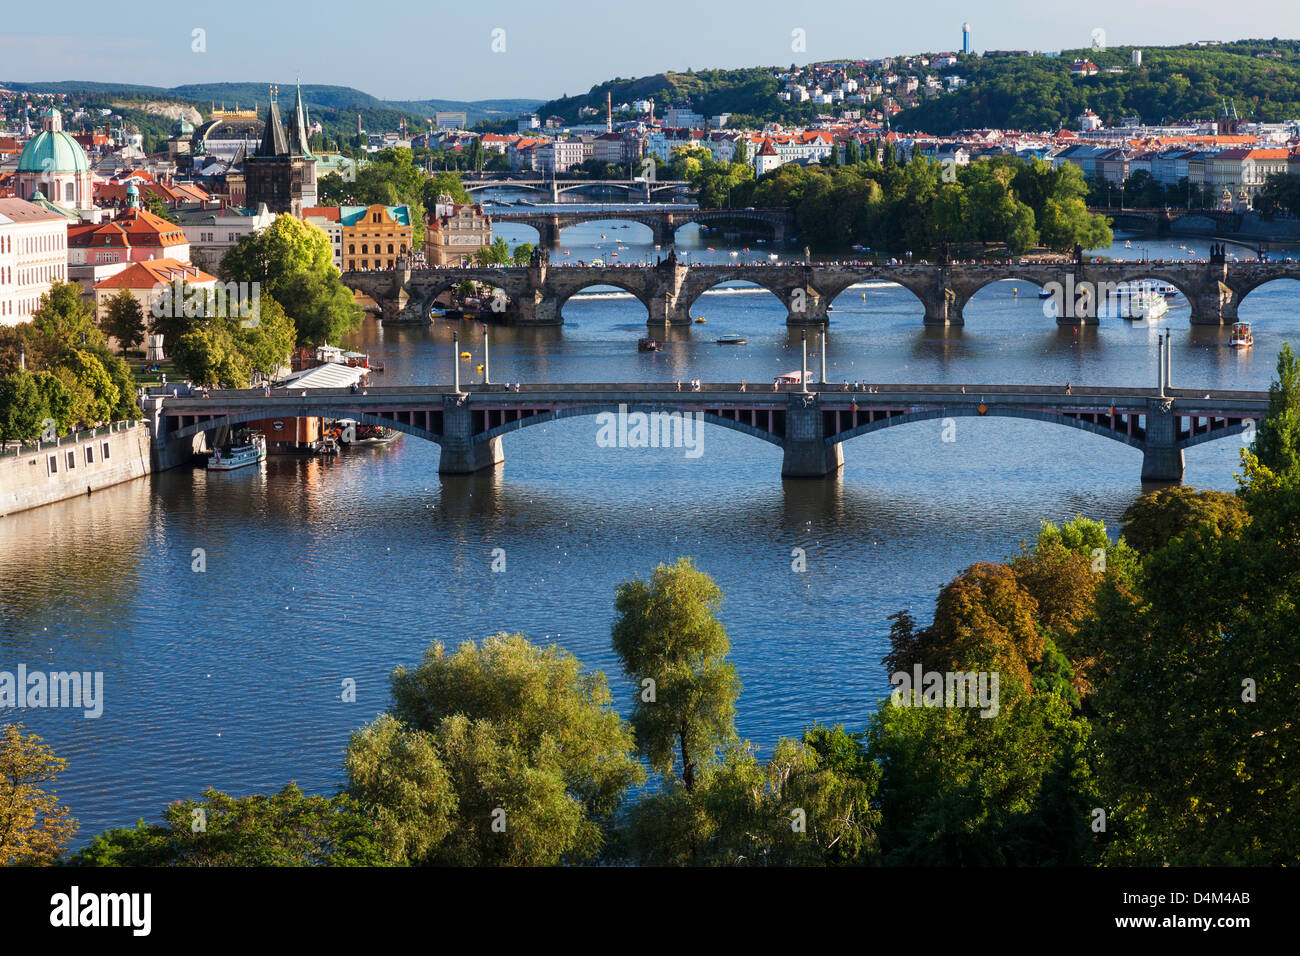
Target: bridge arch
x=597 y=408
x=604 y=282
x=305 y=411
x=1258 y=308
x=689 y=299
x=931 y=414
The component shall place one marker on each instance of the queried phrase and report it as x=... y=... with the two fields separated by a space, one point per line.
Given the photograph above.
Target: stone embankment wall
x=74 y=465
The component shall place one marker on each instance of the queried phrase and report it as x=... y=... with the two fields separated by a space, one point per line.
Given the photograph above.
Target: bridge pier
x=805 y=452
x=666 y=309
x=461 y=454
x=1162 y=459
x=1216 y=305
x=943 y=308
x=536 y=308
x=164 y=451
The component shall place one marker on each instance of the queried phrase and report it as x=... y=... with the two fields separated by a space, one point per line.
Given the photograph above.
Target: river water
x=322 y=571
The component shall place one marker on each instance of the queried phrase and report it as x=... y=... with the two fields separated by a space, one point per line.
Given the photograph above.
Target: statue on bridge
x=540 y=257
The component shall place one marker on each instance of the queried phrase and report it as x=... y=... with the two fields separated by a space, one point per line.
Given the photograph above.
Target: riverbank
x=73 y=465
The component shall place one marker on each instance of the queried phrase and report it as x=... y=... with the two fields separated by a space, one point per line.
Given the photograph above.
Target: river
x=319 y=571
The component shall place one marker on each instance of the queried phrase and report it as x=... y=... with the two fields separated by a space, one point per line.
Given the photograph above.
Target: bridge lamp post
x=803 y=374
x=823 y=334
x=487 y=369
x=455 y=361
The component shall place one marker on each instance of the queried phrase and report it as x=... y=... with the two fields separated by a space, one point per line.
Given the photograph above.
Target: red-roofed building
x=150 y=281
x=135 y=236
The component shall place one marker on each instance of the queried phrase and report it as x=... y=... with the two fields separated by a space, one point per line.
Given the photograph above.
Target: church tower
x=281 y=172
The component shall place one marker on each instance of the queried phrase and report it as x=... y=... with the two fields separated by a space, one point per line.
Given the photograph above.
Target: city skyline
x=462 y=53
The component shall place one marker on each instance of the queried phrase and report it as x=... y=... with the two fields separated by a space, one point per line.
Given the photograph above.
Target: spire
x=299 y=139
x=273 y=142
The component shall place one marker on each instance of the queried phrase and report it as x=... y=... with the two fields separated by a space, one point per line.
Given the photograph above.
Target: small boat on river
x=245 y=449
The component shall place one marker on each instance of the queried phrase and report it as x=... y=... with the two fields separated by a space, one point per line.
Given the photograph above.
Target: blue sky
x=421 y=50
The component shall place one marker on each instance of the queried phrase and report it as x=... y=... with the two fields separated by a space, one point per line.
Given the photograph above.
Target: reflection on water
x=320 y=570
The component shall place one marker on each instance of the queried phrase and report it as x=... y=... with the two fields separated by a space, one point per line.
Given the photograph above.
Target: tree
x=1277 y=439
x=674 y=649
x=1156 y=518
x=95 y=396
x=21 y=408
x=523 y=254
x=293 y=262
x=62 y=321
x=502 y=753
x=208 y=356
x=279 y=829
x=124 y=320
x=267 y=341
x=34 y=828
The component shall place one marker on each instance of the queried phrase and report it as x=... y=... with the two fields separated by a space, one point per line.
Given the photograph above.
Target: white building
x=33 y=255
x=211 y=232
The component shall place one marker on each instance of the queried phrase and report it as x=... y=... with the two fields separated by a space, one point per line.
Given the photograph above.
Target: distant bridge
x=810 y=426
x=536 y=294
x=664 y=223
x=558 y=187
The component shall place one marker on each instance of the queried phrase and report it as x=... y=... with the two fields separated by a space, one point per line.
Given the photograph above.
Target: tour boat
x=732 y=340
x=248 y=450
x=789 y=378
x=1138 y=302
x=1241 y=337
x=649 y=345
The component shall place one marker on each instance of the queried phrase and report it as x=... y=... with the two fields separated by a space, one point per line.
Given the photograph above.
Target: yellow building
x=375 y=237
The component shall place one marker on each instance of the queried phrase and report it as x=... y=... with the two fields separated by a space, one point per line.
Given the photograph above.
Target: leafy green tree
x=57 y=399
x=674 y=650
x=21 y=408
x=124 y=320
x=208 y=356
x=1277 y=438
x=34 y=828
x=95 y=396
x=266 y=340
x=523 y=254
x=509 y=754
x=293 y=262
x=279 y=829
x=62 y=321
x=1156 y=518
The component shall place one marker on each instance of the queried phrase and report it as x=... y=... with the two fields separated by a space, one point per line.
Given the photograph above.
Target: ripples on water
x=320 y=571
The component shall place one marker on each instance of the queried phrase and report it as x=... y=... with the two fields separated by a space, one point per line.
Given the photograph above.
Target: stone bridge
x=664 y=223
x=556 y=188
x=536 y=294
x=810 y=426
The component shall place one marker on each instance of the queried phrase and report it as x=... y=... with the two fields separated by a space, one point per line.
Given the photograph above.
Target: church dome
x=53 y=152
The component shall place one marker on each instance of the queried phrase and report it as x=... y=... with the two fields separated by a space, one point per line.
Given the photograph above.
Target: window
x=90 y=454
x=72 y=460
x=54 y=464
x=104 y=449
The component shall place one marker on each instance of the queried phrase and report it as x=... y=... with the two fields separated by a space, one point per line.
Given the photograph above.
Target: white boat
x=1241 y=336
x=1138 y=302
x=249 y=450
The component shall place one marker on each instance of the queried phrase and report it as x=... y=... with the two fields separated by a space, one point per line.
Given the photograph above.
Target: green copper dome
x=53 y=152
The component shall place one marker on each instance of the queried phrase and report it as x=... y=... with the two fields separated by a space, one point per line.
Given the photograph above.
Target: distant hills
x=318 y=98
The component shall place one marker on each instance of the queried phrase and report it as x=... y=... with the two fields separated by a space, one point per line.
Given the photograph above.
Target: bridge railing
x=968 y=392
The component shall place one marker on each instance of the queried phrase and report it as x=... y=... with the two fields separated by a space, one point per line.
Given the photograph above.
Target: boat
x=649 y=345
x=1137 y=302
x=789 y=378
x=1241 y=336
x=1044 y=294
x=732 y=340
x=699 y=320
x=248 y=448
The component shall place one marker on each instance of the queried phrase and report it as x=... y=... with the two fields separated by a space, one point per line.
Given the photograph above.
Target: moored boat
x=649 y=345
x=732 y=340
x=246 y=449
